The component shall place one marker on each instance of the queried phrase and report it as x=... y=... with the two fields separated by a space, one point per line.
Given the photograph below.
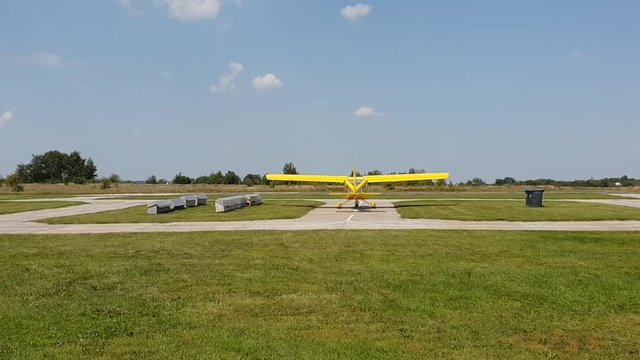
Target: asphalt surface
x=327 y=216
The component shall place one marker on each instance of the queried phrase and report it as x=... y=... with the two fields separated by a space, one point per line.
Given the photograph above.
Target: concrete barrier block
x=191 y=200
x=179 y=203
x=202 y=199
x=229 y=203
x=254 y=199
x=160 y=207
x=236 y=202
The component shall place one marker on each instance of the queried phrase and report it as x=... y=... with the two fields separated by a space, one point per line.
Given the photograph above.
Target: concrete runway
x=324 y=217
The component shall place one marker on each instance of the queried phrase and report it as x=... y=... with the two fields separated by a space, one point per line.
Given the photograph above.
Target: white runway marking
x=350 y=217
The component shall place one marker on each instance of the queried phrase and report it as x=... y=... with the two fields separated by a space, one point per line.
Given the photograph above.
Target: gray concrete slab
x=328 y=216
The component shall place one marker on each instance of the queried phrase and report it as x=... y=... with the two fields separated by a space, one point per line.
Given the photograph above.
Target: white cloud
x=46 y=59
x=6 y=118
x=128 y=8
x=228 y=81
x=355 y=12
x=266 y=82
x=166 y=75
x=365 y=111
x=193 y=10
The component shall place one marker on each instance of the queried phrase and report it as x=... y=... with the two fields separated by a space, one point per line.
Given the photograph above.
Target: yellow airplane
x=356 y=186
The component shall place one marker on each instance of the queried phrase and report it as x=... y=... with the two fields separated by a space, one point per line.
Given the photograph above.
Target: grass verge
x=513 y=211
x=270 y=209
x=11 y=207
x=321 y=295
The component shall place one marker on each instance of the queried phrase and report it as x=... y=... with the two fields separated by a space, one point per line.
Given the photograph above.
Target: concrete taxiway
x=326 y=216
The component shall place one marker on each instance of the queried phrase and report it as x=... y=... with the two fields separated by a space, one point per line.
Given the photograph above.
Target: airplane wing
x=405 y=177
x=308 y=178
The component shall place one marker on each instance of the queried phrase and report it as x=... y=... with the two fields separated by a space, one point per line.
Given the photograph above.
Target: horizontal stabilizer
x=352 y=196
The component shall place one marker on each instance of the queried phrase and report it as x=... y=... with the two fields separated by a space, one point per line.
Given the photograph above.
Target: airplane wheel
x=373 y=204
x=339 y=205
x=357 y=203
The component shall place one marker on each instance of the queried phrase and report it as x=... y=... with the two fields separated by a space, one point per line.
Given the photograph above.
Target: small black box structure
x=534 y=198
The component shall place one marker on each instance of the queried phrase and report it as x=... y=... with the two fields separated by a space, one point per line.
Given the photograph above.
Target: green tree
x=374 y=172
x=55 y=167
x=151 y=180
x=181 y=179
x=476 y=182
x=505 y=181
x=204 y=179
x=90 y=170
x=252 y=179
x=289 y=168
x=115 y=178
x=231 y=178
x=216 y=178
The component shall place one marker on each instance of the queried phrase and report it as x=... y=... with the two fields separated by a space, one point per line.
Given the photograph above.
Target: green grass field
x=321 y=295
x=499 y=195
x=270 y=209
x=513 y=211
x=10 y=207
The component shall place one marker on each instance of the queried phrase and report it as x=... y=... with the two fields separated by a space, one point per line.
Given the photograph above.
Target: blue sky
x=527 y=89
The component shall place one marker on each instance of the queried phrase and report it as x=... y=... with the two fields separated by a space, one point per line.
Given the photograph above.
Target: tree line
x=218 y=178
x=58 y=167
x=604 y=182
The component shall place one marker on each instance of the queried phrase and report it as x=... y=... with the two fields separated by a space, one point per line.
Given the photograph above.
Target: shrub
x=105 y=183
x=181 y=179
x=14 y=182
x=151 y=180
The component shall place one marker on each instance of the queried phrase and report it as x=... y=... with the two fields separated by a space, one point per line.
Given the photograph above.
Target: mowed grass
x=321 y=295
x=513 y=211
x=269 y=209
x=500 y=195
x=10 y=207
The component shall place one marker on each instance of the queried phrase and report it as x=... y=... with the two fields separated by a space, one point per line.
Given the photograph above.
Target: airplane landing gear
x=357 y=203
